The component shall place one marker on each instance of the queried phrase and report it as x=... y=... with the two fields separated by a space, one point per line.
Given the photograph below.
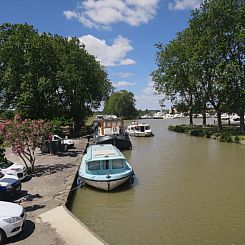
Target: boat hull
x=138 y=134
x=122 y=142
x=106 y=185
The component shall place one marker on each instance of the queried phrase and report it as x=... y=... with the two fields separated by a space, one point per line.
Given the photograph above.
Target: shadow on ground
x=41 y=170
x=23 y=196
x=28 y=230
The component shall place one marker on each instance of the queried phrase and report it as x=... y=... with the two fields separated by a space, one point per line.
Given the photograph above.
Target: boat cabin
x=104 y=159
x=139 y=129
x=108 y=126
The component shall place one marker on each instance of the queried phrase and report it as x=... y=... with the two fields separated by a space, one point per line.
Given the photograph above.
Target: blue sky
x=120 y=33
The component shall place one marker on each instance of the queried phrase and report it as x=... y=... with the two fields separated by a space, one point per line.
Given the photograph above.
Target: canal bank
x=44 y=195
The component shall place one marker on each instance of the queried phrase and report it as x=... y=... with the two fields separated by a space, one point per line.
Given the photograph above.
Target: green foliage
x=228 y=134
x=236 y=139
x=24 y=136
x=225 y=137
x=204 y=64
x=121 y=104
x=197 y=132
x=58 y=125
x=48 y=76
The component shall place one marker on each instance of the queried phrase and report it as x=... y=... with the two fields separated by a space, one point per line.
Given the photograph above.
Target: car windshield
x=5 y=164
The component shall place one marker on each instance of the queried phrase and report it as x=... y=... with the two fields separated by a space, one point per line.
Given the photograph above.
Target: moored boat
x=139 y=129
x=111 y=131
x=104 y=167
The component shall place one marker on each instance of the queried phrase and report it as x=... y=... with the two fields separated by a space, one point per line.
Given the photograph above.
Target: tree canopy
x=48 y=76
x=205 y=64
x=121 y=104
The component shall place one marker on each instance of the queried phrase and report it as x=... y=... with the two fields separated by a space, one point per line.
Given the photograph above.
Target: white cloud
x=184 y=4
x=149 y=90
x=123 y=84
x=124 y=74
x=127 y=62
x=150 y=102
x=109 y=55
x=148 y=99
x=104 y=13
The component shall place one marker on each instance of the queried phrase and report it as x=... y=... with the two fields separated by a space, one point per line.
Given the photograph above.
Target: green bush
x=237 y=139
x=207 y=134
x=177 y=128
x=225 y=137
x=197 y=132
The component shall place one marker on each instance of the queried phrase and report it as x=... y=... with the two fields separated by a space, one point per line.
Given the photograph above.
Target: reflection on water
x=188 y=190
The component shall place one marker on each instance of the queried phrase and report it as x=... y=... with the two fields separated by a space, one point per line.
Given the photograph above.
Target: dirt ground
x=47 y=188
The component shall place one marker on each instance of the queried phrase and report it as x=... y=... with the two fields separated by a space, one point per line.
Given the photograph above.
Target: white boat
x=146 y=116
x=234 y=120
x=139 y=129
x=104 y=167
x=159 y=115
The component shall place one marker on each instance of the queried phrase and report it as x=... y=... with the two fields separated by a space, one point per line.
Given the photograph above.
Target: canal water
x=188 y=190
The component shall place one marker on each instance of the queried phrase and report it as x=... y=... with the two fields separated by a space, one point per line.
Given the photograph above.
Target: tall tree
x=172 y=77
x=121 y=104
x=48 y=76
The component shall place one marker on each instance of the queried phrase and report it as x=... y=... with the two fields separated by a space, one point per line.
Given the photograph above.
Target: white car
x=11 y=168
x=12 y=219
x=67 y=142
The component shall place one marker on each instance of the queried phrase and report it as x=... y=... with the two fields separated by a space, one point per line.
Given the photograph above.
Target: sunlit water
x=188 y=190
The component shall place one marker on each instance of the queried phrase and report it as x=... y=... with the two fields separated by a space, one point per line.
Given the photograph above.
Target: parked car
x=9 y=185
x=68 y=143
x=8 y=167
x=12 y=220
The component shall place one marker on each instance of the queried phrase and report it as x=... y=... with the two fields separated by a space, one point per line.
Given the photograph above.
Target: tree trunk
x=242 y=127
x=219 y=120
x=191 y=116
x=204 y=119
x=77 y=128
x=191 y=111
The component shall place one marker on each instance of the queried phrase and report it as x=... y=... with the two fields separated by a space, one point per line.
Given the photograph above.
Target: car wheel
x=2 y=237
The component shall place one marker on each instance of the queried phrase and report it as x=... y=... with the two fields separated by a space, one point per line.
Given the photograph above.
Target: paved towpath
x=43 y=192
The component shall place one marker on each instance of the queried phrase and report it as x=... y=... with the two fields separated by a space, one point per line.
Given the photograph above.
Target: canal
x=188 y=190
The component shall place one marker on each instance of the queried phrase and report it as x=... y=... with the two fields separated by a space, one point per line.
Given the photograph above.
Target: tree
x=205 y=63
x=48 y=76
x=172 y=77
x=121 y=104
x=24 y=137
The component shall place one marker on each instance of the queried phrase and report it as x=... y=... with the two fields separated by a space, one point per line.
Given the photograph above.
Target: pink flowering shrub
x=24 y=137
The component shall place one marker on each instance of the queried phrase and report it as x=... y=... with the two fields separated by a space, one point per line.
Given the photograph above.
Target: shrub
x=207 y=133
x=225 y=137
x=197 y=132
x=237 y=139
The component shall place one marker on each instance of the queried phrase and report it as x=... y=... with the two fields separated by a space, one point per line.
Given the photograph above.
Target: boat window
x=142 y=129
x=106 y=164
x=95 y=165
x=108 y=124
x=117 y=163
x=136 y=128
x=147 y=127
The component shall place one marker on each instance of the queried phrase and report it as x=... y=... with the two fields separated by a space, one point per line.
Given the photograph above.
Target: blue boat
x=104 y=167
